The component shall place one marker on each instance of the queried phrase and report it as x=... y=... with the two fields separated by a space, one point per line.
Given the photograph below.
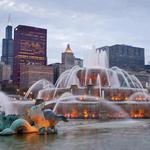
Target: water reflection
x=85 y=135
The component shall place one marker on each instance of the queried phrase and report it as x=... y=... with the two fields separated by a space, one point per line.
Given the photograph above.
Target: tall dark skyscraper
x=8 y=47
x=30 y=44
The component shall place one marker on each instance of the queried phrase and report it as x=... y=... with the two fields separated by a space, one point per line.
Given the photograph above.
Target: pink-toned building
x=30 y=45
x=29 y=74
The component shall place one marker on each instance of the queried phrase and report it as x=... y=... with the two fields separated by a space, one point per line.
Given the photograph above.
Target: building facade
x=31 y=73
x=68 y=61
x=125 y=57
x=30 y=45
x=5 y=72
x=58 y=68
x=8 y=47
x=79 y=62
x=68 y=58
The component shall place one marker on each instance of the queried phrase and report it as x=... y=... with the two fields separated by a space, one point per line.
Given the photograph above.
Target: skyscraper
x=5 y=72
x=30 y=44
x=7 y=47
x=126 y=57
x=68 y=58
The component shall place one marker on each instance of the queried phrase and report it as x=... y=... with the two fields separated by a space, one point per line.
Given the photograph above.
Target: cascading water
x=99 y=85
x=96 y=58
x=116 y=78
x=40 y=84
x=89 y=92
x=68 y=98
x=95 y=82
x=5 y=104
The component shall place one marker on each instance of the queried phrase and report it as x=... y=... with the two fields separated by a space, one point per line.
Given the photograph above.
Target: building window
x=139 y=53
x=127 y=51
x=122 y=51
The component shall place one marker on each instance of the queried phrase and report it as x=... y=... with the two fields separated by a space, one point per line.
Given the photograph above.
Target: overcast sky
x=82 y=23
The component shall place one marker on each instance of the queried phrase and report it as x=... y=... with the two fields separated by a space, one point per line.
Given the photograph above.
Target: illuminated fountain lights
x=97 y=91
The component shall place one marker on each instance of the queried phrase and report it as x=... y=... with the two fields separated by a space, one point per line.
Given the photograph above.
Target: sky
x=82 y=23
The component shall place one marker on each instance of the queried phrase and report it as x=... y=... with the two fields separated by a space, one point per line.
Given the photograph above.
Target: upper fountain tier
x=97 y=73
x=97 y=58
x=99 y=77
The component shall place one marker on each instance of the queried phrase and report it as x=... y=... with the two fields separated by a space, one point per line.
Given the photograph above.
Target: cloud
x=83 y=23
x=24 y=7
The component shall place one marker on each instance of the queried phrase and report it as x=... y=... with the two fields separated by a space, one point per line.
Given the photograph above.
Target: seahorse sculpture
x=44 y=122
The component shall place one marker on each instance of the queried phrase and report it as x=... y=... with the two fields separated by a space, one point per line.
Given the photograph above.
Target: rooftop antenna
x=9 y=19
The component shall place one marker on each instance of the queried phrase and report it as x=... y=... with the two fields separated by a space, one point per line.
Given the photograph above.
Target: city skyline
x=82 y=24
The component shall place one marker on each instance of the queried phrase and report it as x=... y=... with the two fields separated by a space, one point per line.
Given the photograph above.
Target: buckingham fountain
x=93 y=92
x=97 y=92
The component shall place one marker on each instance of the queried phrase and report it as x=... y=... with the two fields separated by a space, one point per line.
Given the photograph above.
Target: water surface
x=86 y=135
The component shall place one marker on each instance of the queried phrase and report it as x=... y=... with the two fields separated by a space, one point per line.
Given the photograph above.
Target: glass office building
x=30 y=45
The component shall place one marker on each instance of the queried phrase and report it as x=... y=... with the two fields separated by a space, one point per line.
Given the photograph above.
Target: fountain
x=5 y=104
x=99 y=84
x=36 y=121
x=25 y=116
x=40 y=84
x=93 y=92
